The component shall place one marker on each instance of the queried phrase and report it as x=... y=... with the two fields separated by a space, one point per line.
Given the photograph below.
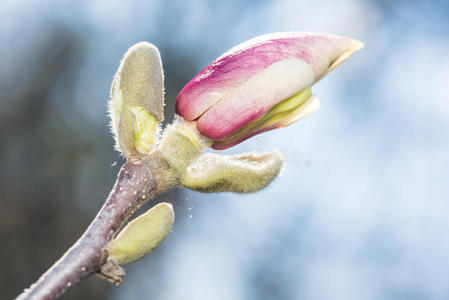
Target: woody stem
x=138 y=181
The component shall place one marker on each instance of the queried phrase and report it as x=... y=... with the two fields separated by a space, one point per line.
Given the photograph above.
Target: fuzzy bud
x=142 y=235
x=137 y=100
x=243 y=173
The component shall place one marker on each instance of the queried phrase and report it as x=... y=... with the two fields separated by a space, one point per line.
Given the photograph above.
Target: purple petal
x=255 y=97
x=216 y=82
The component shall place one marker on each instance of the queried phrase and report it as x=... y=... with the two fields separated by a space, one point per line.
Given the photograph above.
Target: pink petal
x=255 y=97
x=321 y=51
x=311 y=106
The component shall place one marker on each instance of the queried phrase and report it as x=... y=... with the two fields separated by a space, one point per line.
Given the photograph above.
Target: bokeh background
x=360 y=211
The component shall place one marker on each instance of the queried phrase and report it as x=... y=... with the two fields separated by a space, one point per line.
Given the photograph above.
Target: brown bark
x=138 y=181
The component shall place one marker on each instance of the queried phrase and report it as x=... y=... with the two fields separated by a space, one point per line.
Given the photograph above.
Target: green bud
x=137 y=91
x=244 y=173
x=145 y=130
x=181 y=144
x=142 y=235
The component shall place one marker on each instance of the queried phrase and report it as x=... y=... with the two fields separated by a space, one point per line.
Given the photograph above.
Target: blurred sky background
x=360 y=211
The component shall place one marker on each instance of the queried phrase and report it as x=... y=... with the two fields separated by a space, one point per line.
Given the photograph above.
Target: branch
x=137 y=182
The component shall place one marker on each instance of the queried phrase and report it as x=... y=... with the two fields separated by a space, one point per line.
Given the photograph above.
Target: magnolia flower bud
x=261 y=84
x=137 y=100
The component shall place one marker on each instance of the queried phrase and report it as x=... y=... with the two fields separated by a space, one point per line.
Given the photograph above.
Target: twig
x=137 y=182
